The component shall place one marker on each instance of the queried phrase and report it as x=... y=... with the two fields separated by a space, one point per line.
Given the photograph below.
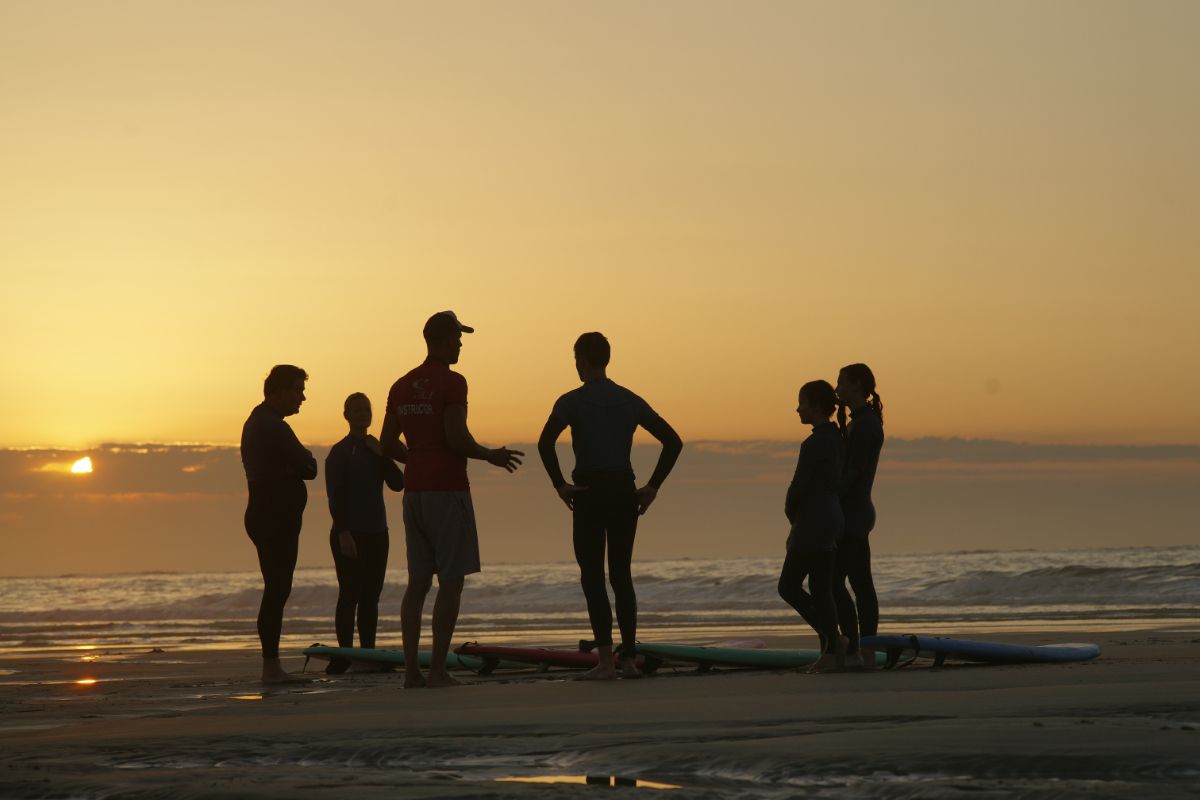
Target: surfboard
x=541 y=657
x=396 y=657
x=753 y=658
x=940 y=649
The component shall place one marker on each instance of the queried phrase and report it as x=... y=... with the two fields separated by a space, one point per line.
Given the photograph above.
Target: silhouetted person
x=277 y=466
x=429 y=407
x=355 y=472
x=604 y=501
x=814 y=510
x=864 y=440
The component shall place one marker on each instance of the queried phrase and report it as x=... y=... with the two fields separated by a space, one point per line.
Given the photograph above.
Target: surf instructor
x=604 y=500
x=428 y=406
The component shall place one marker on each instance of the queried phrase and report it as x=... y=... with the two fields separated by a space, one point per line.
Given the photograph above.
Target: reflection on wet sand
x=591 y=780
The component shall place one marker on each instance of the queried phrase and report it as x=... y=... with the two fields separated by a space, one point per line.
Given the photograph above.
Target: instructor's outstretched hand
x=503 y=457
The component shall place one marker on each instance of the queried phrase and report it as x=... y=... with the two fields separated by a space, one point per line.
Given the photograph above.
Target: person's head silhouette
x=855 y=389
x=816 y=402
x=592 y=353
x=283 y=389
x=443 y=336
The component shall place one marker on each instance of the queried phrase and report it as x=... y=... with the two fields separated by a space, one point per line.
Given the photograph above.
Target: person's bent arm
x=335 y=480
x=672 y=446
x=861 y=450
x=393 y=476
x=460 y=440
x=297 y=455
x=550 y=433
x=389 y=439
x=335 y=466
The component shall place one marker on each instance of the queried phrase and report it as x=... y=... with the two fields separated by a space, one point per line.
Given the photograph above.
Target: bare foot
x=274 y=674
x=629 y=669
x=600 y=672
x=828 y=662
x=441 y=680
x=413 y=679
x=839 y=649
x=868 y=658
x=854 y=661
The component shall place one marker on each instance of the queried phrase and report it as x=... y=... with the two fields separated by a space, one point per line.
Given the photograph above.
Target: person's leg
x=348 y=587
x=450 y=520
x=373 y=550
x=791 y=589
x=277 y=562
x=421 y=567
x=622 y=530
x=412 y=606
x=865 y=598
x=587 y=534
x=445 y=617
x=820 y=580
x=846 y=614
x=863 y=584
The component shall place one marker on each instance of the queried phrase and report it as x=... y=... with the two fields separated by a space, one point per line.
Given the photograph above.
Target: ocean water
x=692 y=599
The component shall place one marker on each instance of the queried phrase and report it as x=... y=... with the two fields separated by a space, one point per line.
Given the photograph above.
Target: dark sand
x=195 y=723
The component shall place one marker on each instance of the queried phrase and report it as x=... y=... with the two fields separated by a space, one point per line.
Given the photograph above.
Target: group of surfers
x=828 y=504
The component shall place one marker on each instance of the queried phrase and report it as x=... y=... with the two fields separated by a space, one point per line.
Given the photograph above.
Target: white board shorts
x=440 y=534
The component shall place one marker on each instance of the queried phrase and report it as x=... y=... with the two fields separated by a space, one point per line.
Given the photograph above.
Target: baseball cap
x=444 y=324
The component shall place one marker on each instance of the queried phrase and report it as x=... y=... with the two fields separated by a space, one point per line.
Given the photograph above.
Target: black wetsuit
x=354 y=479
x=603 y=417
x=815 y=513
x=276 y=467
x=858 y=616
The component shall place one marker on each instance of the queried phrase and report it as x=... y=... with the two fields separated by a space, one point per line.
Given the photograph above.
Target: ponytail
x=861 y=375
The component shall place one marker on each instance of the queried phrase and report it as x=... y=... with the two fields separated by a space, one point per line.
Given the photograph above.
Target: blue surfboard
x=939 y=649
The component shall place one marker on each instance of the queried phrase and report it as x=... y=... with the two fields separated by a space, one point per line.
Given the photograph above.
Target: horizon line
x=211 y=445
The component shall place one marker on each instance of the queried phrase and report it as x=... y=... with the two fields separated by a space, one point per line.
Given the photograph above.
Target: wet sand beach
x=196 y=723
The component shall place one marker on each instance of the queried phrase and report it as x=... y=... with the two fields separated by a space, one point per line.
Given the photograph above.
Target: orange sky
x=993 y=205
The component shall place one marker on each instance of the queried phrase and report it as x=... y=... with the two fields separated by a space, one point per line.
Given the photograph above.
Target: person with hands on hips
x=604 y=501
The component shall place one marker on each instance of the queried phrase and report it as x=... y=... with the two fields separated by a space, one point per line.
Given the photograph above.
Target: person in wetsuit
x=277 y=466
x=604 y=500
x=814 y=511
x=858 y=616
x=355 y=471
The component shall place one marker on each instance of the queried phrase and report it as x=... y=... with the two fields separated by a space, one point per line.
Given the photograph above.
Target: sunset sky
x=994 y=205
